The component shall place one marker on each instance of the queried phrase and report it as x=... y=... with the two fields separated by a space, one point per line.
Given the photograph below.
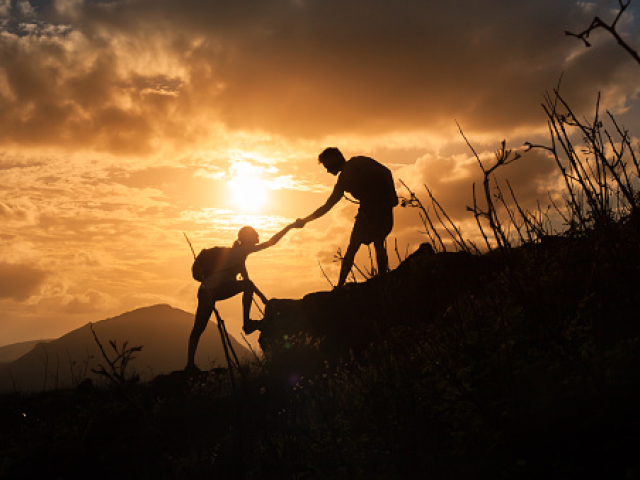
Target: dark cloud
x=131 y=73
x=315 y=68
x=73 y=96
x=20 y=281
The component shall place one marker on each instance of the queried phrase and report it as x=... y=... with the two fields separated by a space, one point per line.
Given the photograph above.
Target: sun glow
x=248 y=192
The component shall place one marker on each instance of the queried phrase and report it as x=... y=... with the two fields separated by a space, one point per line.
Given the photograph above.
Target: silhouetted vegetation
x=117 y=363
x=612 y=28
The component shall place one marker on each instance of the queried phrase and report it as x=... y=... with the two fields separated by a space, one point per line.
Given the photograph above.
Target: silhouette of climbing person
x=223 y=283
x=371 y=183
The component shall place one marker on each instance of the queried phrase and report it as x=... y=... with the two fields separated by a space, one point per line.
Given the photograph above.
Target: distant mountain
x=9 y=353
x=162 y=330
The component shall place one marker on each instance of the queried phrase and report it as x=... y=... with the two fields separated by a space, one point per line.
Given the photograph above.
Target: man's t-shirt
x=369 y=182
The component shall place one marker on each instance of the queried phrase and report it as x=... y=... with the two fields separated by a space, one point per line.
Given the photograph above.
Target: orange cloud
x=20 y=281
x=124 y=76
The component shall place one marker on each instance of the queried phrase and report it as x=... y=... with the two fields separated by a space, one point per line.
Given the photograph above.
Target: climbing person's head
x=247 y=236
x=332 y=159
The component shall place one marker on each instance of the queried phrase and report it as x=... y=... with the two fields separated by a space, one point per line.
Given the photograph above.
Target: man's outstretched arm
x=275 y=239
x=334 y=198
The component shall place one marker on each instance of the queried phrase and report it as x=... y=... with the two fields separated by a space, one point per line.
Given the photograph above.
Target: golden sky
x=125 y=123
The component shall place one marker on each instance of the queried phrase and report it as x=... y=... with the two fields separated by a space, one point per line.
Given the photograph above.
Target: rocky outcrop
x=419 y=290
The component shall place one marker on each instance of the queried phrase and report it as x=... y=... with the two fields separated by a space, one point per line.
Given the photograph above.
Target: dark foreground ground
x=518 y=364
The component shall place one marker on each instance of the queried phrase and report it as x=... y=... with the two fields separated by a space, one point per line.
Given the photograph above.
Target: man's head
x=332 y=159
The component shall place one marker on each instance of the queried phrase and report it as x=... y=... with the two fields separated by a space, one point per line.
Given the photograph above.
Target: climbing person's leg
x=207 y=298
x=248 y=289
x=203 y=313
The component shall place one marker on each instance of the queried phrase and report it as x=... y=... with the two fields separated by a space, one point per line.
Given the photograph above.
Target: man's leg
x=347 y=260
x=381 y=257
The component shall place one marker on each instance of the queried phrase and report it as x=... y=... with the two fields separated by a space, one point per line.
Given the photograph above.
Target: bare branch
x=597 y=23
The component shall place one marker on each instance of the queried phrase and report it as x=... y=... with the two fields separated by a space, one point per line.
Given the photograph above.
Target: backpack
x=372 y=183
x=208 y=261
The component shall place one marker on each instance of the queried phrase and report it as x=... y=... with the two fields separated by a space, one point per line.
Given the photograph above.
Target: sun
x=249 y=192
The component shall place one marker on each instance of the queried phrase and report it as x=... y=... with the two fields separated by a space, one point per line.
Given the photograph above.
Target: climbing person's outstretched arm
x=334 y=198
x=273 y=240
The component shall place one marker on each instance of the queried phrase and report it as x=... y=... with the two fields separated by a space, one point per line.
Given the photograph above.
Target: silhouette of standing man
x=371 y=183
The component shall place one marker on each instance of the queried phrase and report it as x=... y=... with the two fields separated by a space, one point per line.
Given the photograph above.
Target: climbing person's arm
x=273 y=240
x=244 y=273
x=245 y=276
x=334 y=198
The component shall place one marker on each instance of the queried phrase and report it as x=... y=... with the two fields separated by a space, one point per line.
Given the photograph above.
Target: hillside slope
x=519 y=363
x=514 y=364
x=161 y=330
x=11 y=352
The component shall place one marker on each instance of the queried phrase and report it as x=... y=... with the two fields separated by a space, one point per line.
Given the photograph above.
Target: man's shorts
x=372 y=225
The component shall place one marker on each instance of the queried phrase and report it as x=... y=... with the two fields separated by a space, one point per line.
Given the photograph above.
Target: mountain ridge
x=13 y=351
x=160 y=329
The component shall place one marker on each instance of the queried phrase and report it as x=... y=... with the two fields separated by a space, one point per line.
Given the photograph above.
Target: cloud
x=68 y=91
x=289 y=182
x=61 y=294
x=20 y=281
x=451 y=179
x=20 y=211
x=129 y=74
x=89 y=301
